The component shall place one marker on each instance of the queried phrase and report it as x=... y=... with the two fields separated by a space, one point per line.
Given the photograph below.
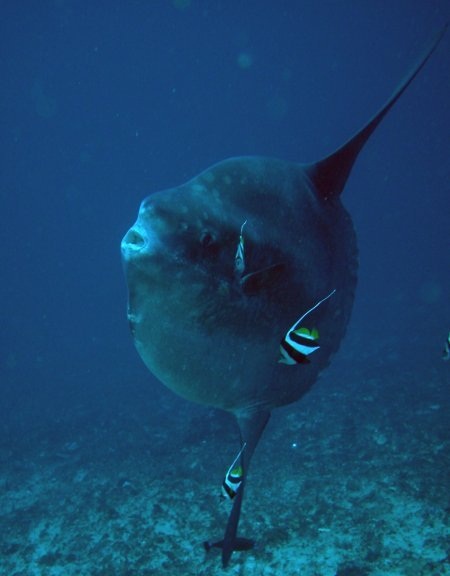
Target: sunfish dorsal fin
x=330 y=174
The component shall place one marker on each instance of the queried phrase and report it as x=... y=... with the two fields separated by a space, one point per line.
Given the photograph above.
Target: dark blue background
x=104 y=102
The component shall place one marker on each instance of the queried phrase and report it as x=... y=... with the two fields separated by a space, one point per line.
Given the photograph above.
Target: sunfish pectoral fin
x=330 y=174
x=253 y=282
x=251 y=427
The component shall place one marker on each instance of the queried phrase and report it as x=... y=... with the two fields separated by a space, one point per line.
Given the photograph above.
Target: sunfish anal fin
x=251 y=426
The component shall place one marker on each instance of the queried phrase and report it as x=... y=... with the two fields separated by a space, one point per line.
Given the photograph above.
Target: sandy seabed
x=353 y=483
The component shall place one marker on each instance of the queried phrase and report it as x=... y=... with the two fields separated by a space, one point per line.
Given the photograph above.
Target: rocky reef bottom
x=354 y=480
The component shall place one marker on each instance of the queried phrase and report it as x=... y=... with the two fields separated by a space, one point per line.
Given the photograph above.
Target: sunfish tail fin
x=330 y=174
x=251 y=427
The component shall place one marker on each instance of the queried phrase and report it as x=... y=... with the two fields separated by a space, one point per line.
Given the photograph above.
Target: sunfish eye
x=206 y=239
x=209 y=246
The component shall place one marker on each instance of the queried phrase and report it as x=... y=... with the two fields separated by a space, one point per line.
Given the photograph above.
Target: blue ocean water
x=103 y=103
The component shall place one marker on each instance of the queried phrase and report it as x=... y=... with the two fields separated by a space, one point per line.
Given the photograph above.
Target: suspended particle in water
x=244 y=60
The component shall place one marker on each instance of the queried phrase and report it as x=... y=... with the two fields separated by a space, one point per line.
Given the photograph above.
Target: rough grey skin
x=212 y=334
x=198 y=329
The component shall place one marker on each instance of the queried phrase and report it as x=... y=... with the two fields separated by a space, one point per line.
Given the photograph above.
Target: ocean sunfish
x=241 y=285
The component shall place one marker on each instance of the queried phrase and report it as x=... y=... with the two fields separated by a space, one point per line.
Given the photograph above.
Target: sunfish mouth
x=138 y=241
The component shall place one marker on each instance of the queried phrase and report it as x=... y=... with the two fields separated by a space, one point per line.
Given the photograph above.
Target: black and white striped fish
x=299 y=341
x=239 y=259
x=446 y=352
x=233 y=478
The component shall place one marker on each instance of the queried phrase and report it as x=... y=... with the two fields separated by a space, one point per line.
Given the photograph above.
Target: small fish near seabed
x=221 y=312
x=233 y=478
x=446 y=351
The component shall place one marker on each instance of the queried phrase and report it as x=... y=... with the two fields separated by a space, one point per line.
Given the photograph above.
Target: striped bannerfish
x=446 y=352
x=300 y=342
x=239 y=259
x=233 y=478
